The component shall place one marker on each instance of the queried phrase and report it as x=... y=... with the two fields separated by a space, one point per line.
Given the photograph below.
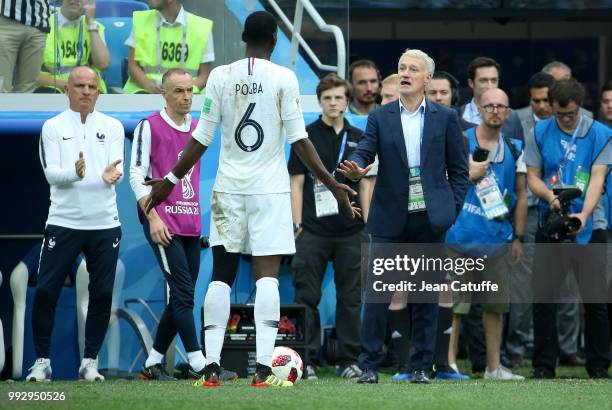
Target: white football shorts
x=260 y=225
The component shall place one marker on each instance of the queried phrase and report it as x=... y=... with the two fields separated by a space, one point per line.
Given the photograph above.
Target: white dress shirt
x=471 y=114
x=411 y=128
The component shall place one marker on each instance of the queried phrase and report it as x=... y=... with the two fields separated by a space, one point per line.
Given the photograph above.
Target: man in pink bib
x=173 y=227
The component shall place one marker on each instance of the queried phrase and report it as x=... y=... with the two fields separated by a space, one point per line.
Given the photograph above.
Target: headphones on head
x=454 y=83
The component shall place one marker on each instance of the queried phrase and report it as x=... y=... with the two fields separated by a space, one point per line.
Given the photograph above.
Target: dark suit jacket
x=444 y=168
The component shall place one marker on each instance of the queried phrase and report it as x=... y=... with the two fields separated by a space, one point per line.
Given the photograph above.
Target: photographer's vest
x=591 y=139
x=181 y=211
x=159 y=47
x=68 y=47
x=474 y=234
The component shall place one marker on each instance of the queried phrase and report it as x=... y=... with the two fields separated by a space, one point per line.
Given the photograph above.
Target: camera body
x=559 y=225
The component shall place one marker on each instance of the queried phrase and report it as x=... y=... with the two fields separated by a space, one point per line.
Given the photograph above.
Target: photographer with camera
x=566 y=154
x=491 y=223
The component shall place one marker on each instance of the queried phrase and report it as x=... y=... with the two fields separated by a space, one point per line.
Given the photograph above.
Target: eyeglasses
x=489 y=108
x=569 y=115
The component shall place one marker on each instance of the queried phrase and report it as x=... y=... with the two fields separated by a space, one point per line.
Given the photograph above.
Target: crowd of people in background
x=529 y=151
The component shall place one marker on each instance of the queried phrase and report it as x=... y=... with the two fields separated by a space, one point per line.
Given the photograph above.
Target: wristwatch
x=521 y=238
x=296 y=227
x=92 y=26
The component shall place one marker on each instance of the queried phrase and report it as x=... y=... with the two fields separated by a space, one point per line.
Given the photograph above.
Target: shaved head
x=494 y=100
x=82 y=90
x=495 y=95
x=81 y=72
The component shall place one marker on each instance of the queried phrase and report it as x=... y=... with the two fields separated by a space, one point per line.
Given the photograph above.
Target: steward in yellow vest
x=75 y=39
x=168 y=37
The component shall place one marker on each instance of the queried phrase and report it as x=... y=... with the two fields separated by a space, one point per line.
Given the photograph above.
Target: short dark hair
x=564 y=91
x=259 y=28
x=362 y=63
x=171 y=72
x=332 y=81
x=540 y=80
x=606 y=87
x=480 y=62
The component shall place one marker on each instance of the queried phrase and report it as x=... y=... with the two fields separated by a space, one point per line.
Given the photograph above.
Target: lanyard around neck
x=342 y=148
x=569 y=147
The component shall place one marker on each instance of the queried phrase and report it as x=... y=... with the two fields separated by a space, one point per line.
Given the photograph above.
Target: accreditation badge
x=416 y=199
x=325 y=201
x=490 y=197
x=581 y=180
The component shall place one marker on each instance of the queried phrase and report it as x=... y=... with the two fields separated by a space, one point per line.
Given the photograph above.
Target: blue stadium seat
x=117 y=31
x=118 y=8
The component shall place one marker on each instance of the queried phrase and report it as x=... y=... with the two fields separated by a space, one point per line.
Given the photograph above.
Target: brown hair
x=332 y=81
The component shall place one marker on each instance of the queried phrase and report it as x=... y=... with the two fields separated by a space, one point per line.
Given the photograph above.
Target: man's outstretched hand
x=161 y=189
x=352 y=171
x=341 y=192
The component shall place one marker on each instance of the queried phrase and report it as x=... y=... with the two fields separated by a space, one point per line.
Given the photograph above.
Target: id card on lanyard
x=557 y=179
x=325 y=202
x=488 y=192
x=416 y=197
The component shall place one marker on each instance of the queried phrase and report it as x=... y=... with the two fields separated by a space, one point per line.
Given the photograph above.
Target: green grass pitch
x=572 y=390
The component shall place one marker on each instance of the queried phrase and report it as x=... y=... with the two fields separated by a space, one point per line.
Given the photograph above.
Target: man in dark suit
x=420 y=150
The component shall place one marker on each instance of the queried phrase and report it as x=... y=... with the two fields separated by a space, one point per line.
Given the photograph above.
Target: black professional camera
x=559 y=225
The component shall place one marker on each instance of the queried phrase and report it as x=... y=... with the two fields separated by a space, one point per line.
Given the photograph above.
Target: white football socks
x=216 y=314
x=154 y=358
x=196 y=360
x=267 y=315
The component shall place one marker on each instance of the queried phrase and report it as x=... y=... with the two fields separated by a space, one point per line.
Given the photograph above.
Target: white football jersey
x=256 y=102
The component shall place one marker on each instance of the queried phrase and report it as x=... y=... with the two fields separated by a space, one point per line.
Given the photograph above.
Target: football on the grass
x=287 y=364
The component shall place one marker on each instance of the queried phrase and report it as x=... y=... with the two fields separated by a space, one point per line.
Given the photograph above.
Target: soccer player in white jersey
x=255 y=102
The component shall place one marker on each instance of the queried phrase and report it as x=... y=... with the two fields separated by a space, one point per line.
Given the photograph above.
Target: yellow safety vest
x=158 y=47
x=67 y=50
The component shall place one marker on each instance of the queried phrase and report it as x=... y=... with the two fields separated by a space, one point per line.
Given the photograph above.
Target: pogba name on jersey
x=246 y=89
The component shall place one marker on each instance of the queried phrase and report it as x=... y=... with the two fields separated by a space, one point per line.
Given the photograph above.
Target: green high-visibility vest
x=157 y=48
x=63 y=44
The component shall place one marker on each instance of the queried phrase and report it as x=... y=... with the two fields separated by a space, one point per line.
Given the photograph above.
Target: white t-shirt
x=255 y=101
x=88 y=203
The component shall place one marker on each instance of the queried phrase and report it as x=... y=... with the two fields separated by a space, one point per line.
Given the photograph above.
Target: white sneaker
x=310 y=373
x=40 y=371
x=502 y=373
x=89 y=371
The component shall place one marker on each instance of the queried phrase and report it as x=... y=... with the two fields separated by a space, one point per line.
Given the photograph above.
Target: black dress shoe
x=542 y=373
x=599 y=373
x=368 y=376
x=419 y=377
x=571 y=360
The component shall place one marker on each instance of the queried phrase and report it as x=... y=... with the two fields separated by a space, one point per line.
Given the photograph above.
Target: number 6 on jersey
x=244 y=122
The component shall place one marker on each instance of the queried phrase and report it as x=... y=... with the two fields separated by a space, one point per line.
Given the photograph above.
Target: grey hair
x=430 y=65
x=556 y=64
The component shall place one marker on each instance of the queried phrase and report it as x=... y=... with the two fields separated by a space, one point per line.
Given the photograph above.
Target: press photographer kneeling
x=567 y=157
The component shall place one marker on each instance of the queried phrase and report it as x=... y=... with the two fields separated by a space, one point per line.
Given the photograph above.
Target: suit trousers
x=423 y=317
